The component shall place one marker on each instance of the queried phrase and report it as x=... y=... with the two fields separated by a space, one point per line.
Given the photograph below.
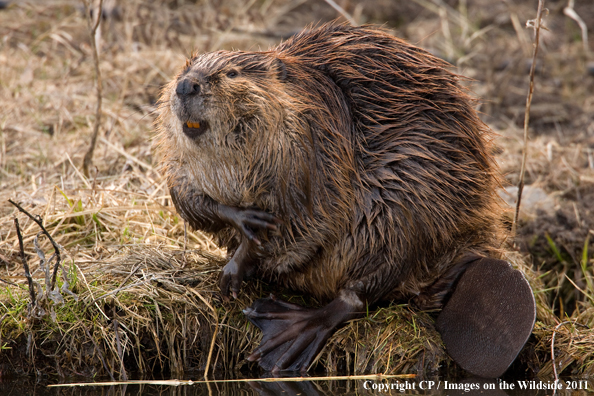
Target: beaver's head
x=223 y=97
x=229 y=122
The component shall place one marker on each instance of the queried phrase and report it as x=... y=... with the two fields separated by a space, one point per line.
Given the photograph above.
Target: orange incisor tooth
x=193 y=124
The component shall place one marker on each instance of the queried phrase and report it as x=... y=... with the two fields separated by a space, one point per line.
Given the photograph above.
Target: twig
x=553 y=344
x=39 y=222
x=9 y=282
x=136 y=267
x=26 y=266
x=527 y=112
x=88 y=160
x=176 y=382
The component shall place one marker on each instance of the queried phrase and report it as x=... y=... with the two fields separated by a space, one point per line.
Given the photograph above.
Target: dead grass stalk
x=536 y=24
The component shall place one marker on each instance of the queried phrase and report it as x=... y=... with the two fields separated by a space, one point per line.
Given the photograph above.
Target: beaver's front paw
x=249 y=221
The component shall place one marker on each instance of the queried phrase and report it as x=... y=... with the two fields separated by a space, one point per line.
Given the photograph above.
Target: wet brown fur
x=365 y=146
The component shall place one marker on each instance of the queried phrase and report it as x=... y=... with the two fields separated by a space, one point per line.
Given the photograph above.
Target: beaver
x=351 y=166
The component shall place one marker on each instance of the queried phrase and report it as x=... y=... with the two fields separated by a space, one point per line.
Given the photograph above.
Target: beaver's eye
x=232 y=73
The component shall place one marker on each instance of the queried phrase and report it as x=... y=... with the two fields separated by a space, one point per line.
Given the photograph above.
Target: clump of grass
x=167 y=308
x=163 y=323
x=573 y=347
x=390 y=340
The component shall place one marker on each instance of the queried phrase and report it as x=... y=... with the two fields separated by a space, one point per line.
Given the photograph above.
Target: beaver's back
x=424 y=183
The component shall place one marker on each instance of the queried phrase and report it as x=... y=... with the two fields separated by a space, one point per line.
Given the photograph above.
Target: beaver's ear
x=278 y=67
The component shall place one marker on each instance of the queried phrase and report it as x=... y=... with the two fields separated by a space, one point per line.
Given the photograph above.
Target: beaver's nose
x=187 y=87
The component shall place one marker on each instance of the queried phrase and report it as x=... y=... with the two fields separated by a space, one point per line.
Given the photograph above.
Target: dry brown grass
x=145 y=295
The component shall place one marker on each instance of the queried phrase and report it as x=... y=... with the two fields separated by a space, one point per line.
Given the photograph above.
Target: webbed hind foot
x=488 y=318
x=293 y=335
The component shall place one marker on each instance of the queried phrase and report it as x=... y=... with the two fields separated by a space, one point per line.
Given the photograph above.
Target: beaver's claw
x=248 y=221
x=232 y=276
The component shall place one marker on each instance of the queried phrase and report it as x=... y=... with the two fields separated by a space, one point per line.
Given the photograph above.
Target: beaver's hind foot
x=293 y=335
x=489 y=317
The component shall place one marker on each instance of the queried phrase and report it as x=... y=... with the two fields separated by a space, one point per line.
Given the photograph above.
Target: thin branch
x=26 y=265
x=176 y=382
x=536 y=25
x=39 y=222
x=88 y=160
x=8 y=282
